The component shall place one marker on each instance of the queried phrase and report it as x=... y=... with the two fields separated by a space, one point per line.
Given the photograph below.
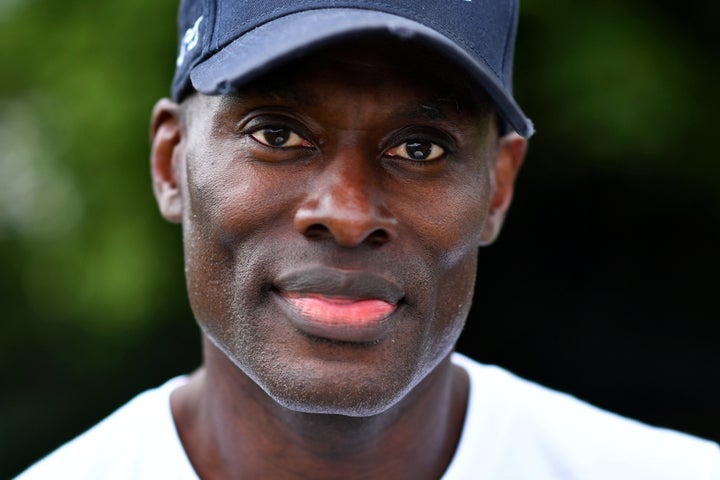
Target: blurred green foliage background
x=605 y=282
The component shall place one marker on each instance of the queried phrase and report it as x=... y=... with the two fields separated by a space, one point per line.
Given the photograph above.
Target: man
x=335 y=166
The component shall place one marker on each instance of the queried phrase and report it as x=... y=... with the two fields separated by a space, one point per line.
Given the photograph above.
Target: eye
x=417 y=150
x=279 y=137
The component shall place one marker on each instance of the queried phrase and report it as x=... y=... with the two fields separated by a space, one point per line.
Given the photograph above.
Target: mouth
x=345 y=306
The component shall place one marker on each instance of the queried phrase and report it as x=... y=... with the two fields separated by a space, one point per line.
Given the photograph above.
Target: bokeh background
x=604 y=282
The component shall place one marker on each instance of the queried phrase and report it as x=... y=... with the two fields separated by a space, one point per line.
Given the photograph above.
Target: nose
x=346 y=204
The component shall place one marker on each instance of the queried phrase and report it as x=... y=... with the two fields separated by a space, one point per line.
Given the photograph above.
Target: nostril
x=378 y=237
x=317 y=231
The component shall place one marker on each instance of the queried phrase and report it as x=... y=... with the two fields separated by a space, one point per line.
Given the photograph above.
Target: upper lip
x=331 y=282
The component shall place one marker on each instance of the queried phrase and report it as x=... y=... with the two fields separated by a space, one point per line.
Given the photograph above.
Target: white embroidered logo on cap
x=189 y=41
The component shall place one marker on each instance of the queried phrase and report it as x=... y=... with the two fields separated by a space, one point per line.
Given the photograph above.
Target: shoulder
x=136 y=441
x=532 y=429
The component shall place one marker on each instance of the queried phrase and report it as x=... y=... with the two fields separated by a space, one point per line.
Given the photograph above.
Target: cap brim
x=274 y=43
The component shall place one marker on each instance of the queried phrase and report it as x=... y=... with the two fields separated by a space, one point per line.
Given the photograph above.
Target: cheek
x=452 y=302
x=450 y=218
x=225 y=206
x=449 y=232
x=230 y=198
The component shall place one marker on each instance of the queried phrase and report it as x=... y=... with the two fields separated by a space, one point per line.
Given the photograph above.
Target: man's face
x=331 y=215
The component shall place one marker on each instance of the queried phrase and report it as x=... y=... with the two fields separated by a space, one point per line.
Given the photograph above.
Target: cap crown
x=485 y=28
x=225 y=43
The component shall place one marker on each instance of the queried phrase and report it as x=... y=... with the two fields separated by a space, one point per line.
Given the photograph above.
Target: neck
x=231 y=428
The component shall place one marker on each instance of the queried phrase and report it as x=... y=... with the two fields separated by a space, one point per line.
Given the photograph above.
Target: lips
x=348 y=306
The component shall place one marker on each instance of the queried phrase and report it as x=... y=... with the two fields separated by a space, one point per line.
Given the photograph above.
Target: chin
x=309 y=375
x=352 y=400
x=334 y=388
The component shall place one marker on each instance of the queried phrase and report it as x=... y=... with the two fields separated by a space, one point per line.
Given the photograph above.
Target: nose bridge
x=350 y=185
x=346 y=202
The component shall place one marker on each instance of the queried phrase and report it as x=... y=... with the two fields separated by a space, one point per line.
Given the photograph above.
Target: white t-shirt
x=514 y=430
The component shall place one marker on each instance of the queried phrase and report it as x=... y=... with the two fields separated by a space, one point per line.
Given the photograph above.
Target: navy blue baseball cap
x=224 y=44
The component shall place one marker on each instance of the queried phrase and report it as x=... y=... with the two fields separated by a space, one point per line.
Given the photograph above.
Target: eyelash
x=260 y=129
x=290 y=135
x=437 y=151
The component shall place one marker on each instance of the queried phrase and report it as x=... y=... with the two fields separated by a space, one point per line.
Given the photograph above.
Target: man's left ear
x=510 y=155
x=165 y=137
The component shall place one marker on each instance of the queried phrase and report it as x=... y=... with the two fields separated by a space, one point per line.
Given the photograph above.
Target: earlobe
x=510 y=155
x=165 y=159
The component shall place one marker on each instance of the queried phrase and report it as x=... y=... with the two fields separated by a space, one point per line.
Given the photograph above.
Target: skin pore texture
x=331 y=215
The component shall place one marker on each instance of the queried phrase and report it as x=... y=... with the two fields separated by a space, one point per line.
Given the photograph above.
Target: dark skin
x=345 y=178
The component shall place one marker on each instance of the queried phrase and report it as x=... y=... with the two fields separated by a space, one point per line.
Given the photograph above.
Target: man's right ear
x=166 y=158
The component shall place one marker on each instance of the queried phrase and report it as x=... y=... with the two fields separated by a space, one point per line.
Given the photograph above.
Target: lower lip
x=341 y=319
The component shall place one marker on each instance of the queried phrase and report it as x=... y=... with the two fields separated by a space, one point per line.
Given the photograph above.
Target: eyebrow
x=426 y=109
x=438 y=108
x=274 y=92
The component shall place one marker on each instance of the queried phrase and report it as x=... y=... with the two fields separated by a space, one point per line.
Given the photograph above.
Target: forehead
x=418 y=80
